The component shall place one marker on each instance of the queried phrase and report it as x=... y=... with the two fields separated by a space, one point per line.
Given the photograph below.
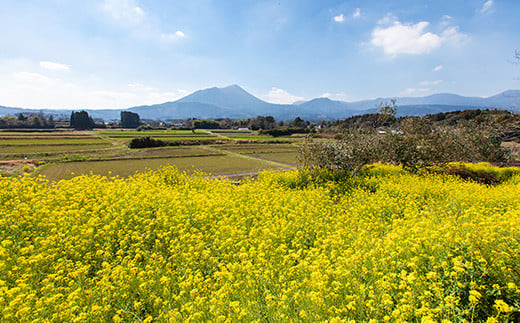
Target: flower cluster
x=165 y=246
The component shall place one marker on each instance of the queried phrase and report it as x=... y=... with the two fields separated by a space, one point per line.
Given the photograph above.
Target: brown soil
x=7 y=166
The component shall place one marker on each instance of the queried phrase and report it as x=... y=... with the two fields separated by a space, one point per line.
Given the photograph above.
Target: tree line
x=414 y=142
x=33 y=121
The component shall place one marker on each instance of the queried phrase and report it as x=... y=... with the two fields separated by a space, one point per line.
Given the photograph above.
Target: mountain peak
x=322 y=99
x=232 y=96
x=233 y=86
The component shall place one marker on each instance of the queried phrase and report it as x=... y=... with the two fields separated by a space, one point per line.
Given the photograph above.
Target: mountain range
x=235 y=103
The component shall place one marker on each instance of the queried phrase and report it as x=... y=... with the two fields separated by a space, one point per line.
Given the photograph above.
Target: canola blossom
x=166 y=246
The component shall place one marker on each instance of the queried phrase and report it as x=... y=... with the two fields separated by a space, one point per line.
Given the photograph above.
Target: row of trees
x=35 y=121
x=260 y=122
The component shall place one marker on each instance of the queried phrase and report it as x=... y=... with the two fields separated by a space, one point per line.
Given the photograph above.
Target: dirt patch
x=9 y=166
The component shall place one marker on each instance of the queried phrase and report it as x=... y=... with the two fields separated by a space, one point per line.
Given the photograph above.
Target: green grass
x=44 y=133
x=106 y=152
x=65 y=148
x=117 y=133
x=161 y=135
x=11 y=136
x=231 y=131
x=54 y=141
x=256 y=148
x=172 y=152
x=209 y=164
x=194 y=138
x=290 y=158
x=257 y=138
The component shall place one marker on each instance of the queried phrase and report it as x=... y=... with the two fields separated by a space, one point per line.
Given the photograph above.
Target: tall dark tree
x=130 y=119
x=205 y=124
x=262 y=122
x=81 y=120
x=299 y=123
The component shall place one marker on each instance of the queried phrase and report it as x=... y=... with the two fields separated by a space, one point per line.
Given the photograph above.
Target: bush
x=416 y=145
x=144 y=128
x=278 y=132
x=146 y=142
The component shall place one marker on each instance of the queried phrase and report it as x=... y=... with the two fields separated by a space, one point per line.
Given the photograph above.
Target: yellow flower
x=474 y=296
x=502 y=306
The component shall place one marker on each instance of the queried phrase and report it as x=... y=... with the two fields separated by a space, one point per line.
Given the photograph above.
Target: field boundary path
x=226 y=152
x=254 y=174
x=214 y=134
x=238 y=176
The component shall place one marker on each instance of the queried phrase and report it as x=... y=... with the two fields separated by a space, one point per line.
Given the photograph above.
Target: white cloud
x=398 y=38
x=339 y=18
x=487 y=6
x=452 y=35
x=152 y=95
x=34 y=90
x=427 y=83
x=411 y=91
x=281 y=96
x=176 y=35
x=141 y=87
x=33 y=78
x=138 y=11
x=446 y=21
x=161 y=97
x=126 y=11
x=129 y=14
x=53 y=66
x=341 y=96
x=438 y=68
x=113 y=96
x=357 y=13
x=389 y=18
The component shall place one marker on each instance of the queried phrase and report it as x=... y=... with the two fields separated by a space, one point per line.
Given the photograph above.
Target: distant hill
x=236 y=103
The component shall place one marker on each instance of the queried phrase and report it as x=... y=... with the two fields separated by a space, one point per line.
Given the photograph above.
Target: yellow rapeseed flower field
x=165 y=246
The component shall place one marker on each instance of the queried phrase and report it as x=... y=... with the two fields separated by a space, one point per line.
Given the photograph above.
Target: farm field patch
x=63 y=148
x=194 y=139
x=231 y=131
x=253 y=137
x=131 y=133
x=256 y=148
x=8 y=133
x=289 y=158
x=172 y=152
x=162 y=135
x=52 y=141
x=126 y=167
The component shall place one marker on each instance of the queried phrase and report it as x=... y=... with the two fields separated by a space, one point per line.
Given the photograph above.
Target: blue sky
x=123 y=53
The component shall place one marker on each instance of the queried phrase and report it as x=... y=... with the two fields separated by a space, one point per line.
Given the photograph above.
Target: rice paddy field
x=216 y=164
x=65 y=154
x=165 y=245
x=171 y=135
x=290 y=158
